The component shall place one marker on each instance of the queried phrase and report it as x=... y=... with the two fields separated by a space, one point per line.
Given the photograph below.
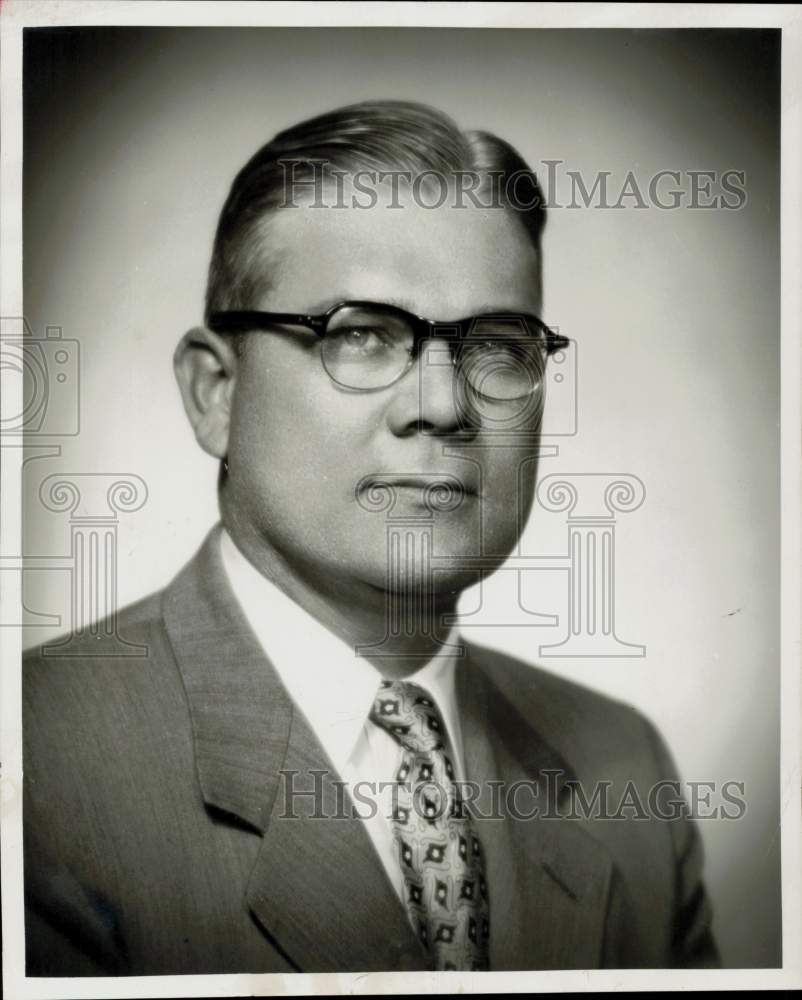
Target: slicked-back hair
x=372 y=135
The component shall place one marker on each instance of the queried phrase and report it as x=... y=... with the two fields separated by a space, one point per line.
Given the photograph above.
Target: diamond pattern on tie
x=441 y=859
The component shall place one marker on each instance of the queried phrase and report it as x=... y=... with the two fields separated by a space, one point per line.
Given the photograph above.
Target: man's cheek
x=500 y=522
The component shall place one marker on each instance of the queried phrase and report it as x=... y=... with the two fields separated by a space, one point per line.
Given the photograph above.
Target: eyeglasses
x=365 y=346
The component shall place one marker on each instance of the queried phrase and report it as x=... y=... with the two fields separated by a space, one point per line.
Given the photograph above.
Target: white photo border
x=17 y=14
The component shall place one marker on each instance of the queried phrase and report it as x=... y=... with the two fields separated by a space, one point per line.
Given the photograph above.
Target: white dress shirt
x=335 y=689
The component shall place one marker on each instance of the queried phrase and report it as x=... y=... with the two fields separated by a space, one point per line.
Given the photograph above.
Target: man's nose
x=427 y=399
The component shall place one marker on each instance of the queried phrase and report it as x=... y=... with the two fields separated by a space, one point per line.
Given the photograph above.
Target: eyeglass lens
x=370 y=348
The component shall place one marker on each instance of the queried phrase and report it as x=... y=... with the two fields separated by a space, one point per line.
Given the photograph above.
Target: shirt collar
x=328 y=682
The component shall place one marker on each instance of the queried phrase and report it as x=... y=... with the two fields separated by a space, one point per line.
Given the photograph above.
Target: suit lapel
x=240 y=711
x=548 y=880
x=318 y=888
x=318 y=885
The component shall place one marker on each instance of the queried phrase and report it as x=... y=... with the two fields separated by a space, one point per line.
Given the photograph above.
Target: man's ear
x=205 y=367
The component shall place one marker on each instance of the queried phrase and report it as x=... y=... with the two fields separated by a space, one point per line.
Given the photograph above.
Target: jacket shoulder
x=591 y=730
x=140 y=616
x=110 y=687
x=528 y=680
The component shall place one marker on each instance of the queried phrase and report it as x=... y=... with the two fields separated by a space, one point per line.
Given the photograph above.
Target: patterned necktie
x=440 y=856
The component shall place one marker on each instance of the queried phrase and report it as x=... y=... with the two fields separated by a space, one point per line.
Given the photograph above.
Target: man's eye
x=500 y=345
x=362 y=340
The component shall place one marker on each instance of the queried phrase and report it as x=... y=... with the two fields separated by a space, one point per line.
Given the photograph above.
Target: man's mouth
x=440 y=491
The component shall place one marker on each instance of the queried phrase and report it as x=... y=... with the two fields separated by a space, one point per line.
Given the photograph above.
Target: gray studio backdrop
x=132 y=137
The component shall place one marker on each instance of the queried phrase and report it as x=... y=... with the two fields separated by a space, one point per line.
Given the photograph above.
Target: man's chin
x=445 y=579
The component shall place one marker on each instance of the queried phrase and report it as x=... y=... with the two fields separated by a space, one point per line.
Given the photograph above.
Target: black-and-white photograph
x=393 y=436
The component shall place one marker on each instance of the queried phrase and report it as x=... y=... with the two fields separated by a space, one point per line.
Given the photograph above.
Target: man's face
x=300 y=444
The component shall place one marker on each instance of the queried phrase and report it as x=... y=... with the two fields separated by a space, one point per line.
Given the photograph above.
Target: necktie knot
x=410 y=716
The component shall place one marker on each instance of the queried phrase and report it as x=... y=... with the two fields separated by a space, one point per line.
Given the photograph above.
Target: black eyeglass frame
x=258 y=321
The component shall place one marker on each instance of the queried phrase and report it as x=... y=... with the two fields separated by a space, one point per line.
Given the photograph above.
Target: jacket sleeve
x=693 y=945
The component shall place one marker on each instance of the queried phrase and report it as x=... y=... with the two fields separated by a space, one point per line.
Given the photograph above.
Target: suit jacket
x=158 y=838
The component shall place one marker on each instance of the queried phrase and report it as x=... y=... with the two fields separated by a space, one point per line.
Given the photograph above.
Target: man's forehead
x=441 y=261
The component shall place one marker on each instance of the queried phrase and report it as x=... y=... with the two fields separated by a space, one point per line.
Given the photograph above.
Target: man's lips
x=431 y=481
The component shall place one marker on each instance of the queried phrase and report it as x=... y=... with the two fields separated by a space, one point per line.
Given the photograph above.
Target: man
x=206 y=809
